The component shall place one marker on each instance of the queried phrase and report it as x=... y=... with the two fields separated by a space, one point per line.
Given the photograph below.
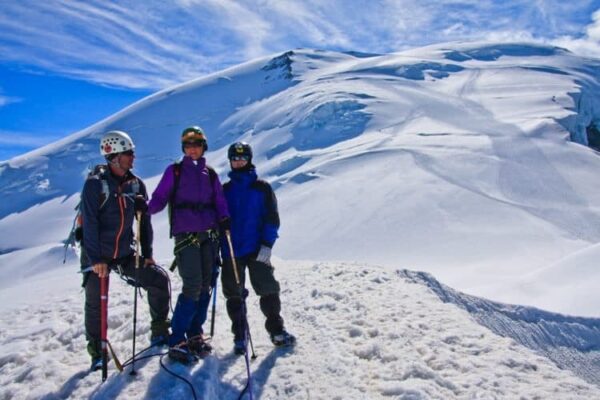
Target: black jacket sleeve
x=90 y=211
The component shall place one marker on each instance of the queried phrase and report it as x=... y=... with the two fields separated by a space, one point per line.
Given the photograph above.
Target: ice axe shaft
x=135 y=286
x=104 y=325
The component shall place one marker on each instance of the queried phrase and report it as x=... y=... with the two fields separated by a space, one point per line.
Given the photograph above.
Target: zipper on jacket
x=121 y=202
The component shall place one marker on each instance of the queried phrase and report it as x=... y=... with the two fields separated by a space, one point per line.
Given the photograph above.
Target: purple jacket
x=195 y=188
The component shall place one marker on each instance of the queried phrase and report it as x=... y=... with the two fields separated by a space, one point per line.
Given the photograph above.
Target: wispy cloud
x=589 y=44
x=154 y=44
x=4 y=100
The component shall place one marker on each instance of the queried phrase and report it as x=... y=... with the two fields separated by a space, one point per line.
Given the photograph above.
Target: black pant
x=264 y=284
x=195 y=264
x=262 y=277
x=151 y=278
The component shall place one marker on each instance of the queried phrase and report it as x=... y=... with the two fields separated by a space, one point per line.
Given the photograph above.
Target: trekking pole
x=248 y=333
x=243 y=293
x=104 y=325
x=237 y=280
x=135 y=287
x=214 y=305
x=233 y=262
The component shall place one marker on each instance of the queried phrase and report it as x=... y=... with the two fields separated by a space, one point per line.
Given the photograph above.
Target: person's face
x=125 y=160
x=238 y=162
x=193 y=150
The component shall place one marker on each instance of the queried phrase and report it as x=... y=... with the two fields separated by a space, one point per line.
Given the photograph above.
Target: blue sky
x=66 y=64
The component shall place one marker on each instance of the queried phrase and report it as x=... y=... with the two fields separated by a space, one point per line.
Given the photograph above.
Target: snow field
x=363 y=333
x=386 y=338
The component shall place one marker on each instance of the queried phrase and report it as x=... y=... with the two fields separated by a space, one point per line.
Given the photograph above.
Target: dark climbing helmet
x=193 y=134
x=240 y=151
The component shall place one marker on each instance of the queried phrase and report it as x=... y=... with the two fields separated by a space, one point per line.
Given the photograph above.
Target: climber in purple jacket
x=197 y=210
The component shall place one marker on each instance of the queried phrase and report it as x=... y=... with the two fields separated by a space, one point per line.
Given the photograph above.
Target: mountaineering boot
x=283 y=339
x=239 y=347
x=96 y=364
x=199 y=347
x=181 y=353
x=159 y=335
x=94 y=349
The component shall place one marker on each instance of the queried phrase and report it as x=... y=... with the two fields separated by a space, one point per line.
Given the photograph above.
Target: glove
x=140 y=204
x=264 y=255
x=78 y=234
x=225 y=224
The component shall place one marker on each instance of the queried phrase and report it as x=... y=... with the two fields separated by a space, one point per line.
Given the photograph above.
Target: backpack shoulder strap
x=177 y=173
x=135 y=186
x=99 y=172
x=105 y=191
x=177 y=177
x=212 y=173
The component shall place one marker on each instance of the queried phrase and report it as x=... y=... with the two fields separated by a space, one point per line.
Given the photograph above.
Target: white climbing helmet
x=115 y=142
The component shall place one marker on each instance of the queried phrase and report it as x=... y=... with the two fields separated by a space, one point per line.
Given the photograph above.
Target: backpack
x=76 y=233
x=177 y=173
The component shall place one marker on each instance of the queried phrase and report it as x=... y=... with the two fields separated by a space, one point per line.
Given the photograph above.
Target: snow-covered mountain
x=469 y=162
x=454 y=159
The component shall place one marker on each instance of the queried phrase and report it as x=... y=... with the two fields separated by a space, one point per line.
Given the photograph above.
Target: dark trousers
x=150 y=278
x=195 y=263
x=265 y=285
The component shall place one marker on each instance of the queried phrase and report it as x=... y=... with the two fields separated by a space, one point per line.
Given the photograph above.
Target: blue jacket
x=108 y=228
x=254 y=215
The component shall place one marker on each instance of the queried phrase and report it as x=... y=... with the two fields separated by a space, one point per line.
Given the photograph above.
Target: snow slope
x=454 y=159
x=573 y=343
x=365 y=333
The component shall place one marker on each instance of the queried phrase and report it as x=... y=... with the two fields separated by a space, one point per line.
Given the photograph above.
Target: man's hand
x=140 y=205
x=149 y=261
x=225 y=224
x=79 y=234
x=101 y=269
x=264 y=255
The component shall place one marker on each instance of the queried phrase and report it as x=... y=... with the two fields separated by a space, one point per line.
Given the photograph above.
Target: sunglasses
x=188 y=145
x=240 y=158
x=128 y=153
